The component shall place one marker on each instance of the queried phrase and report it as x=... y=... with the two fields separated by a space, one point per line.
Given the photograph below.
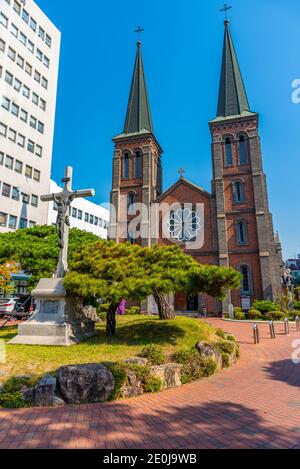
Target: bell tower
x=137 y=167
x=246 y=238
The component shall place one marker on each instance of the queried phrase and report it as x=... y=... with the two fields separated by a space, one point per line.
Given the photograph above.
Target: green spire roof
x=233 y=99
x=138 y=117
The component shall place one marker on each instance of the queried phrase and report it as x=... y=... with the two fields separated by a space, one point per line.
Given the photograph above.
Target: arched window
x=131 y=200
x=126 y=163
x=243 y=150
x=228 y=152
x=245 y=285
x=238 y=192
x=241 y=233
x=138 y=164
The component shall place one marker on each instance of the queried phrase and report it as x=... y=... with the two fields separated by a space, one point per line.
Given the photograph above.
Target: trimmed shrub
x=275 y=316
x=102 y=316
x=226 y=346
x=11 y=396
x=297 y=305
x=237 y=309
x=154 y=354
x=254 y=314
x=230 y=337
x=221 y=333
x=239 y=315
x=134 y=310
x=194 y=366
x=264 y=306
x=210 y=367
x=225 y=360
x=153 y=384
x=150 y=383
x=119 y=373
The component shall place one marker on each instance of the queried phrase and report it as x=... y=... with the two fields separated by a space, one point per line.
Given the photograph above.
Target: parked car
x=7 y=305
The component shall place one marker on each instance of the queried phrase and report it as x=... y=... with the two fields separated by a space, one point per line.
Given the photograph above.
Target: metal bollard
x=297 y=320
x=255 y=334
x=272 y=330
x=286 y=326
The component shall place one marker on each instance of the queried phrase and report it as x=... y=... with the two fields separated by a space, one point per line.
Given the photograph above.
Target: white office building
x=84 y=214
x=29 y=61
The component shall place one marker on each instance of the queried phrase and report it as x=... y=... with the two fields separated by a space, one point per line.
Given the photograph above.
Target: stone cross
x=139 y=30
x=63 y=201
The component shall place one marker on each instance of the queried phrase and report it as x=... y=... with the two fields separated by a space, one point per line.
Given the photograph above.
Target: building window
x=138 y=164
x=79 y=214
x=23 y=115
x=245 y=285
x=3 y=20
x=6 y=188
x=18 y=166
x=228 y=152
x=12 y=222
x=86 y=217
x=15 y=194
x=30 y=146
x=3 y=219
x=23 y=223
x=238 y=192
x=74 y=212
x=12 y=135
x=33 y=24
x=34 y=200
x=36 y=175
x=15 y=110
x=11 y=54
x=25 y=16
x=5 y=103
x=241 y=233
x=243 y=150
x=126 y=163
x=131 y=200
x=2 y=45
x=25 y=198
x=9 y=161
x=3 y=129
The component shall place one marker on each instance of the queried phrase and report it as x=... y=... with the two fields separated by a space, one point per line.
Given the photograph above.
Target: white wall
x=99 y=214
x=7 y=147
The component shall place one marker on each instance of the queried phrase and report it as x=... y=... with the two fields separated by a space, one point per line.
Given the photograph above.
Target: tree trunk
x=111 y=320
x=164 y=308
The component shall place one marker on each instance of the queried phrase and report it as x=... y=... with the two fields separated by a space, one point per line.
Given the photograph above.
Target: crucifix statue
x=63 y=201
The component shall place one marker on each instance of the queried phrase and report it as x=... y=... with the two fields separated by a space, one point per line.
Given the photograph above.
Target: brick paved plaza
x=254 y=404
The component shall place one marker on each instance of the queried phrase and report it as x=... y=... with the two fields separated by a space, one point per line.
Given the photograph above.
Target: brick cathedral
x=238 y=225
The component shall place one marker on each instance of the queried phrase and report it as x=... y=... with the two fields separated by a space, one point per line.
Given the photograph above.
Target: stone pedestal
x=58 y=320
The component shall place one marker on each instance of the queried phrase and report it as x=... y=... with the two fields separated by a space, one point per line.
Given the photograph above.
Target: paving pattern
x=254 y=404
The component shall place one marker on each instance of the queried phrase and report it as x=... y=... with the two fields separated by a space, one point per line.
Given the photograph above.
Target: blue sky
x=182 y=47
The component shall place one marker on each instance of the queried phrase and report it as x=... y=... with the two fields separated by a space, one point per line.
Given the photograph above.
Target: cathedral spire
x=138 y=117
x=233 y=99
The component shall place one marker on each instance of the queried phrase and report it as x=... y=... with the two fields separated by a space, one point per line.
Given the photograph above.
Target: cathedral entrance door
x=192 y=302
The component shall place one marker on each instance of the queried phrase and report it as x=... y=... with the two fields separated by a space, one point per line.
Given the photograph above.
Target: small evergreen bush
x=239 y=315
x=230 y=337
x=221 y=333
x=275 y=316
x=154 y=354
x=254 y=314
x=264 y=306
x=225 y=360
x=226 y=346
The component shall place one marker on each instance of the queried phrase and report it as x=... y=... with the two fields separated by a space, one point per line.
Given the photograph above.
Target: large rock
x=42 y=394
x=133 y=386
x=85 y=383
x=136 y=361
x=208 y=351
x=169 y=374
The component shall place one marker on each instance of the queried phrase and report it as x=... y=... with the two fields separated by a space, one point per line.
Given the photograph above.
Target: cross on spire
x=225 y=10
x=139 y=30
x=181 y=172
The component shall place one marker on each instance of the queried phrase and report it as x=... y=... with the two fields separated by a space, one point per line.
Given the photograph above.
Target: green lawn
x=133 y=333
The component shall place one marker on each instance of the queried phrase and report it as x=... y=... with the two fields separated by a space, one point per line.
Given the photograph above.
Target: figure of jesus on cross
x=63 y=201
